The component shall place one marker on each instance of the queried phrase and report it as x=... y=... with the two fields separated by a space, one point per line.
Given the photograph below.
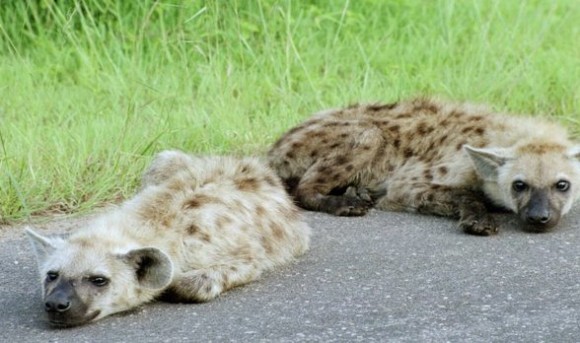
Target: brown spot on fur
x=343 y=135
x=223 y=221
x=443 y=170
x=278 y=231
x=204 y=236
x=317 y=134
x=427 y=174
x=342 y=159
x=397 y=143
x=260 y=211
x=200 y=200
x=192 y=229
x=314 y=154
x=541 y=148
x=249 y=184
x=290 y=155
x=380 y=107
x=466 y=129
x=403 y=116
x=408 y=153
x=296 y=145
x=349 y=168
x=480 y=131
x=394 y=128
x=422 y=128
x=425 y=105
x=335 y=145
x=267 y=245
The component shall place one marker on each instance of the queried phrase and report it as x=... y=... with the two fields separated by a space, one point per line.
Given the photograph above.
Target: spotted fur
x=198 y=227
x=431 y=157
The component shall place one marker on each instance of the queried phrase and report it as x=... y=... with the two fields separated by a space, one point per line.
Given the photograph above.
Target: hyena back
x=428 y=156
x=198 y=227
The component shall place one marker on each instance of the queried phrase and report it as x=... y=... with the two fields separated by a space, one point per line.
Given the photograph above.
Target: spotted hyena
x=198 y=227
x=428 y=156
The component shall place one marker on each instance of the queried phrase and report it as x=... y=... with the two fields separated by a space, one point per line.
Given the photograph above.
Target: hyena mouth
x=61 y=322
x=539 y=227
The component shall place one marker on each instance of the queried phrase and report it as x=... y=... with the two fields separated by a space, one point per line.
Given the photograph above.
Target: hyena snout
x=539 y=214
x=64 y=308
x=57 y=303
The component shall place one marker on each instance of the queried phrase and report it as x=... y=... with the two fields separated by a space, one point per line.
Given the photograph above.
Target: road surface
x=385 y=277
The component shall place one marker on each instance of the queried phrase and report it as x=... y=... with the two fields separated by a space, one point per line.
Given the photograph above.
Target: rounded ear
x=487 y=161
x=43 y=245
x=153 y=268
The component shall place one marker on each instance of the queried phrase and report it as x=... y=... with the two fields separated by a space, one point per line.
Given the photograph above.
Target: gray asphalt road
x=386 y=277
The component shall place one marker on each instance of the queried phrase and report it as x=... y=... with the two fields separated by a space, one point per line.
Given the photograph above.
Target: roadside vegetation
x=91 y=89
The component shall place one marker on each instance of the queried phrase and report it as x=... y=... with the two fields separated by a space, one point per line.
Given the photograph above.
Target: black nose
x=539 y=219
x=56 y=306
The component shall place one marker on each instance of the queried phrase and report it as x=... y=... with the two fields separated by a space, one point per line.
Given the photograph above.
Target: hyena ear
x=487 y=161
x=43 y=245
x=153 y=267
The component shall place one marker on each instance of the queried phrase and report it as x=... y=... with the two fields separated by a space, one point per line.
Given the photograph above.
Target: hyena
x=198 y=227
x=433 y=157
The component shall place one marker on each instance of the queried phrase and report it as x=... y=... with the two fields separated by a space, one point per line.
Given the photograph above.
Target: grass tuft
x=91 y=89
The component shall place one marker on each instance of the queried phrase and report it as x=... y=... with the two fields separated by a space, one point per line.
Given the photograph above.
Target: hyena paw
x=482 y=225
x=356 y=201
x=351 y=206
x=369 y=195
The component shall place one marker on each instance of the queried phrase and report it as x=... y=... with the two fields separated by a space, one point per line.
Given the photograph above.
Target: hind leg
x=207 y=283
x=338 y=170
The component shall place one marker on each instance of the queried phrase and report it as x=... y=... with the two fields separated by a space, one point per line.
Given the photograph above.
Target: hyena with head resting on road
x=432 y=157
x=198 y=227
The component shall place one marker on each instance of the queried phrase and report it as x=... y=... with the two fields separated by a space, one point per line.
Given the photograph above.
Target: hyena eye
x=519 y=186
x=562 y=185
x=51 y=276
x=99 y=281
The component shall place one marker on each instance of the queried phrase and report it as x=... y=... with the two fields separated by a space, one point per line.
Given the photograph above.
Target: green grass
x=90 y=91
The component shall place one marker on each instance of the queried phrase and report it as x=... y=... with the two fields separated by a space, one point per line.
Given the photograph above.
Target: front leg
x=463 y=203
x=474 y=217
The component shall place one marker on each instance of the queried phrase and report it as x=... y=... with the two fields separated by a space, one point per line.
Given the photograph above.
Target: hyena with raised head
x=198 y=227
x=431 y=157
